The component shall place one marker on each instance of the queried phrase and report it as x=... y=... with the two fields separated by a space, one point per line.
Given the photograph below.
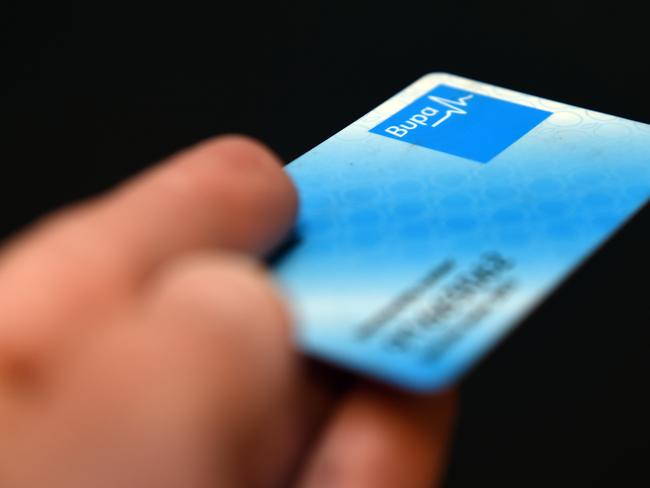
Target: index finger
x=230 y=192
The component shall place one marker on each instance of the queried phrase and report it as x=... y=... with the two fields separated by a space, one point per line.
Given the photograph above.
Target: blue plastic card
x=433 y=225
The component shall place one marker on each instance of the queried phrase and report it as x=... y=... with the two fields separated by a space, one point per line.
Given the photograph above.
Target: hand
x=142 y=345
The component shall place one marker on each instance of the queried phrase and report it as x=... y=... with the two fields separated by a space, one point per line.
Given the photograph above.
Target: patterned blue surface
x=380 y=217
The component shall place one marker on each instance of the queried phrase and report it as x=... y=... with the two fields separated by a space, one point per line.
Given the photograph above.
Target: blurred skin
x=142 y=345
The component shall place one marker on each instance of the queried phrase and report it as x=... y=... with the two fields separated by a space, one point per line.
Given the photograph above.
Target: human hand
x=142 y=345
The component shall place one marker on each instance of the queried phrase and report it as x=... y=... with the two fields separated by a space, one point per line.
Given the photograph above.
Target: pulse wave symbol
x=453 y=107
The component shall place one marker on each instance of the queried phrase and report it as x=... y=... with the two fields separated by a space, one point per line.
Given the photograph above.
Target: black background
x=96 y=93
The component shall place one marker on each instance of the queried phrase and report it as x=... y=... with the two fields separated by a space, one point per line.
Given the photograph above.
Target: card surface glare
x=433 y=225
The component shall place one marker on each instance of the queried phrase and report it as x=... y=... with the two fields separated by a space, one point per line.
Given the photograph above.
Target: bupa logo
x=428 y=114
x=461 y=123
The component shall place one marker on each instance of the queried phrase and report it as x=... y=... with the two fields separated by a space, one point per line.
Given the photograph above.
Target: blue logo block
x=461 y=123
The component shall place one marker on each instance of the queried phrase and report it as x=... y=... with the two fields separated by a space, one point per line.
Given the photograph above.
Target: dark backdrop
x=96 y=93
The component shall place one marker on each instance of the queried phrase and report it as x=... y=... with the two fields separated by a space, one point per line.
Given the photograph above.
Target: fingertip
x=381 y=437
x=242 y=176
x=242 y=144
x=244 y=150
x=228 y=283
x=245 y=154
x=226 y=307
